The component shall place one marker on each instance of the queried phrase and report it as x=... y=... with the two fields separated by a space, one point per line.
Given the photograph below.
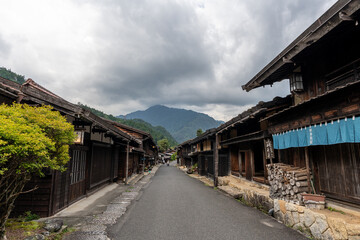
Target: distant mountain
x=181 y=123
x=157 y=133
x=8 y=74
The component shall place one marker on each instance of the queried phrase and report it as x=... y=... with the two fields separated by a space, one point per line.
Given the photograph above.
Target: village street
x=175 y=206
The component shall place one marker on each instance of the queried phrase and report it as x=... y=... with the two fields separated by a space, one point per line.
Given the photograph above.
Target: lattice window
x=78 y=166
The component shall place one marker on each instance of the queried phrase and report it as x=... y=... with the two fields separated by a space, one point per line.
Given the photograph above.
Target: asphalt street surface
x=176 y=206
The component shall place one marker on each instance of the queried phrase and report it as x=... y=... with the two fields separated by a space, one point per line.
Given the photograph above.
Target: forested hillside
x=182 y=124
x=8 y=74
x=157 y=132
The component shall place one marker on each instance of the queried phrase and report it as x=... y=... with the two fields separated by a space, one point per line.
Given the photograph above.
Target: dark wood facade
x=95 y=160
x=327 y=62
x=244 y=138
x=200 y=151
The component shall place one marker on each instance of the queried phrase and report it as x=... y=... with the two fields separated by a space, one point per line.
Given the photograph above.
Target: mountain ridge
x=180 y=123
x=157 y=132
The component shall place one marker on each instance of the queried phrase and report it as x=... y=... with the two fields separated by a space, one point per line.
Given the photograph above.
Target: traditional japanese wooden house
x=202 y=153
x=95 y=157
x=321 y=130
x=183 y=151
x=245 y=138
x=144 y=155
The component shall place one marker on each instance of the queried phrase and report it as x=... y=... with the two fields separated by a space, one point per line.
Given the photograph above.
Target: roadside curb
x=95 y=227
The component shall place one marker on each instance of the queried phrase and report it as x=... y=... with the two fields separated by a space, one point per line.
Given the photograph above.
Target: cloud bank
x=122 y=56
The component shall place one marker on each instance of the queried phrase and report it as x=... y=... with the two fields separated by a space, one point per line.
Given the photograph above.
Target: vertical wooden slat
x=216 y=160
x=127 y=163
x=252 y=162
x=279 y=155
x=240 y=162
x=265 y=162
x=307 y=168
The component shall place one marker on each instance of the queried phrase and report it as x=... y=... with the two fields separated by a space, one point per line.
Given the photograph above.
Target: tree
x=31 y=139
x=173 y=157
x=199 y=132
x=163 y=144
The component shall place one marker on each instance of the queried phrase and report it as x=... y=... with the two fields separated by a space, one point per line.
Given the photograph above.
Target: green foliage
x=335 y=210
x=29 y=216
x=157 y=133
x=19 y=223
x=163 y=144
x=199 y=132
x=8 y=74
x=173 y=157
x=33 y=138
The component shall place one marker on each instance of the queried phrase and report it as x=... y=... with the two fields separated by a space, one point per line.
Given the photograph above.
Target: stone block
x=298 y=226
x=282 y=206
x=53 y=225
x=290 y=207
x=289 y=221
x=301 y=218
x=300 y=209
x=315 y=231
x=276 y=206
x=338 y=228
x=296 y=217
x=327 y=235
x=309 y=217
x=223 y=181
x=279 y=216
x=314 y=205
x=321 y=221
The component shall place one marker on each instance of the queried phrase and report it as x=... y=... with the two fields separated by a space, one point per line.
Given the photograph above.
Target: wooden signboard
x=269 y=149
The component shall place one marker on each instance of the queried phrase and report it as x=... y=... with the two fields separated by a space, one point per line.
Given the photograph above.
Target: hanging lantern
x=296 y=82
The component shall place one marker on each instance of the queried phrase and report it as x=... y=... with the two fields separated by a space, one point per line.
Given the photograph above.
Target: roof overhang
x=283 y=64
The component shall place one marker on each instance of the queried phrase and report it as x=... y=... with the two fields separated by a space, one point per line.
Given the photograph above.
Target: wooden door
x=234 y=158
x=248 y=165
x=77 y=175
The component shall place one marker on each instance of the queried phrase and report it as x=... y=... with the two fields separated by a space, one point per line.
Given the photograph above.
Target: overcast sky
x=123 y=56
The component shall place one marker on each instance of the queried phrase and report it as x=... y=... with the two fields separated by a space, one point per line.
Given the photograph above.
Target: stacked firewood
x=287 y=182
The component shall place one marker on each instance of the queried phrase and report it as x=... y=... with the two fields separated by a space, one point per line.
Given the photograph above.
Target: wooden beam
x=307 y=168
x=240 y=162
x=216 y=160
x=127 y=163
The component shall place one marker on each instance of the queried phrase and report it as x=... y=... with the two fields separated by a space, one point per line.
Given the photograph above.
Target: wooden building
x=200 y=151
x=146 y=154
x=183 y=151
x=245 y=138
x=321 y=130
x=95 y=156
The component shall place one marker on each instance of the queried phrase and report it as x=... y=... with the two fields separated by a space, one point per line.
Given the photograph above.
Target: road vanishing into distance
x=176 y=206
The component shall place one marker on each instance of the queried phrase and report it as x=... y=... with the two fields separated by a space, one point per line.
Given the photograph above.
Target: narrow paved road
x=175 y=206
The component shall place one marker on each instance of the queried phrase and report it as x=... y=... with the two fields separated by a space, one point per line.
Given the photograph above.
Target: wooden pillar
x=265 y=163
x=127 y=163
x=216 y=160
x=307 y=168
x=279 y=155
x=199 y=164
x=229 y=164
x=240 y=160
x=143 y=163
x=252 y=162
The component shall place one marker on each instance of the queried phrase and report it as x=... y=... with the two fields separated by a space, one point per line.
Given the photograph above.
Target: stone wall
x=249 y=193
x=313 y=223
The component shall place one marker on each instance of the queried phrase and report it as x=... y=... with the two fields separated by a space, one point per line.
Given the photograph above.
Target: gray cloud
x=5 y=47
x=120 y=56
